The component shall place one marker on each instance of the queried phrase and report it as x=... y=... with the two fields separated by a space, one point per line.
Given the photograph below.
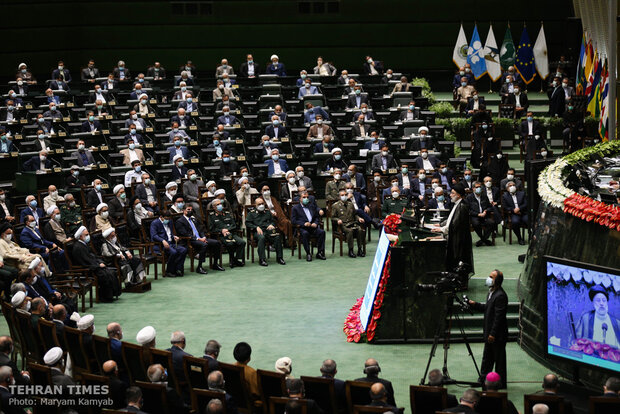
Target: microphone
x=604 y=327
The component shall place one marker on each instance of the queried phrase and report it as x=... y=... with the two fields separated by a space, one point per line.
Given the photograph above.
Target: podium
x=409 y=316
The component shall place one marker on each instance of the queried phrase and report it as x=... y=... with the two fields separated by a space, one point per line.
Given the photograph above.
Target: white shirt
x=373 y=71
x=514 y=199
x=276 y=167
x=132 y=156
x=476 y=104
x=490 y=194
x=275 y=131
x=149 y=194
x=98 y=193
x=132 y=175
x=100 y=97
x=363 y=131
x=251 y=69
x=320 y=131
x=426 y=164
x=6 y=210
x=444 y=229
x=597 y=331
x=406 y=183
x=530 y=127
x=518 y=100
x=308 y=214
x=168 y=232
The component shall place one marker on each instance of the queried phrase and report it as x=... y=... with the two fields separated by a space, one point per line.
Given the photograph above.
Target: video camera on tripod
x=449 y=282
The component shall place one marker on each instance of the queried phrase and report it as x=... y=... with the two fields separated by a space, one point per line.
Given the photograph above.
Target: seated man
x=368 y=114
x=83 y=157
x=182 y=119
x=6 y=143
x=439 y=201
x=481 y=214
x=336 y=160
x=91 y=124
x=514 y=203
x=355 y=178
x=115 y=254
x=384 y=160
x=463 y=93
x=467 y=403
x=133 y=136
x=276 y=67
x=276 y=166
x=445 y=175
x=179 y=170
x=510 y=176
x=178 y=149
x=131 y=154
x=279 y=112
x=394 y=204
x=312 y=111
x=32 y=239
x=378 y=398
x=307 y=217
x=189 y=104
x=410 y=114
x=166 y=241
x=227 y=119
x=262 y=223
x=359 y=203
x=38 y=163
x=319 y=130
x=71 y=214
x=220 y=90
x=228 y=166
x=188 y=227
x=275 y=130
x=374 y=144
x=423 y=140
x=343 y=213
x=356 y=99
x=52 y=198
x=223 y=223
x=134 y=119
x=31 y=209
x=307 y=89
x=333 y=187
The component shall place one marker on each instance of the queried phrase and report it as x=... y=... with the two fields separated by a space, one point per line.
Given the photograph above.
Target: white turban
x=146 y=335
x=118 y=188
x=18 y=299
x=108 y=231
x=35 y=262
x=210 y=183
x=52 y=356
x=220 y=191
x=242 y=180
x=274 y=57
x=422 y=128
x=171 y=184
x=79 y=232
x=283 y=365
x=100 y=206
x=336 y=149
x=86 y=322
x=177 y=157
x=51 y=210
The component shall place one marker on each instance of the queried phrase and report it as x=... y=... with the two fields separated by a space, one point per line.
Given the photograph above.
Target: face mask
x=422 y=177
x=507 y=80
x=52 y=108
x=138 y=169
x=105 y=214
x=499 y=156
x=357 y=91
x=193 y=177
x=226 y=113
x=134 y=116
x=275 y=157
x=87 y=239
x=8 y=237
x=395 y=194
x=444 y=170
x=177 y=143
x=166 y=221
x=123 y=196
x=404 y=170
x=377 y=178
x=72 y=204
x=180 y=164
x=13 y=94
x=260 y=207
x=180 y=206
x=20 y=83
x=226 y=159
x=570 y=108
x=307 y=86
x=564 y=85
x=276 y=122
x=300 y=174
x=434 y=185
x=411 y=107
x=10 y=108
x=441 y=198
x=54 y=194
x=138 y=206
x=219 y=207
x=510 y=176
x=291 y=180
x=364 y=110
x=475 y=97
x=132 y=132
x=183 y=88
x=33 y=204
x=337 y=157
x=488 y=184
x=42 y=157
x=319 y=121
x=32 y=224
x=467 y=70
x=467 y=177
x=24 y=70
x=343 y=198
x=147 y=181
x=189 y=100
x=384 y=153
x=489 y=281
x=143 y=101
x=76 y=173
x=244 y=174
x=305 y=201
x=336 y=176
x=478 y=190
x=543 y=153
x=512 y=189
x=221 y=87
x=516 y=90
x=463 y=83
x=530 y=119
x=57 y=217
x=424 y=155
x=41 y=120
x=132 y=146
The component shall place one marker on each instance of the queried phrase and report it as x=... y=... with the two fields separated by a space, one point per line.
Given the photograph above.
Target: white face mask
x=424 y=155
x=488 y=184
x=54 y=194
x=489 y=281
x=172 y=192
x=291 y=180
x=510 y=176
x=384 y=153
x=105 y=215
x=422 y=177
x=336 y=176
x=260 y=207
x=113 y=240
x=395 y=194
x=434 y=185
x=377 y=179
x=343 y=198
x=512 y=189
x=300 y=174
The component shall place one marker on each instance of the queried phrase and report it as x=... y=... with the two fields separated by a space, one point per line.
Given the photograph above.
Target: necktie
x=191 y=223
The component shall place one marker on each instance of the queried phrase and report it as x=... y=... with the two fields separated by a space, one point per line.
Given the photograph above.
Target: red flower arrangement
x=352 y=324
x=589 y=347
x=589 y=209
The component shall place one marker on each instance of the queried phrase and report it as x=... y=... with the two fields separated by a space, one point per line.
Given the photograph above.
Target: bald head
x=378 y=392
x=114 y=331
x=59 y=312
x=215 y=380
x=371 y=367
x=110 y=367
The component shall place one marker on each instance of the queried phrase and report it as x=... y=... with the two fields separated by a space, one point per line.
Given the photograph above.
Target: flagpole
x=611 y=68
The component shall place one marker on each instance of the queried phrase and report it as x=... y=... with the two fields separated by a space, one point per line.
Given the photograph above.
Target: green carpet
x=298 y=311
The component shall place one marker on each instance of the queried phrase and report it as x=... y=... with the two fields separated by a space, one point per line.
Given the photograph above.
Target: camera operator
x=495 y=327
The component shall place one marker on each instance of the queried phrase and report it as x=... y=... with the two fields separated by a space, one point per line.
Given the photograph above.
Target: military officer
x=333 y=186
x=262 y=222
x=343 y=212
x=71 y=214
x=223 y=223
x=394 y=204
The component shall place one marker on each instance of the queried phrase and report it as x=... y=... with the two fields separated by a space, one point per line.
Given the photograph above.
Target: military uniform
x=391 y=205
x=263 y=220
x=345 y=211
x=71 y=218
x=332 y=188
x=234 y=244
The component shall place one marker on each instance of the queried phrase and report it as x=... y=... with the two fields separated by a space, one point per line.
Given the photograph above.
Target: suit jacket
x=185 y=230
x=195 y=107
x=132 y=121
x=433 y=204
x=524 y=130
x=471 y=102
x=360 y=181
x=105 y=85
x=280 y=70
x=557 y=101
x=448 y=176
x=474 y=207
x=270 y=131
x=378 y=67
x=117 y=73
x=140 y=192
x=177 y=174
x=368 y=144
x=232 y=120
x=158 y=232
x=270 y=167
x=136 y=137
x=313 y=131
x=79 y=160
x=318 y=147
x=243 y=70
x=411 y=177
x=303 y=91
x=356 y=131
x=220 y=70
x=368 y=116
x=377 y=162
x=172 y=151
x=5 y=360
x=459 y=238
x=387 y=384
x=217 y=93
x=57 y=86
x=523 y=100
x=10 y=147
x=401 y=87
x=509 y=204
x=415 y=186
x=463 y=409
x=85 y=75
x=34 y=163
x=187 y=119
x=127 y=159
x=298 y=215
x=177 y=360
x=9 y=407
x=310 y=115
x=352 y=100
x=495 y=310
x=403 y=114
x=83 y=256
x=28 y=212
x=33 y=240
x=92 y=199
x=161 y=73
x=65 y=73
x=86 y=126
x=9 y=206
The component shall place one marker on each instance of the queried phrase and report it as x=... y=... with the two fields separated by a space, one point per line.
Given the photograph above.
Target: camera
x=449 y=282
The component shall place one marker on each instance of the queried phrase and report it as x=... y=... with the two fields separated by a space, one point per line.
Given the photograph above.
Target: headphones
x=372 y=369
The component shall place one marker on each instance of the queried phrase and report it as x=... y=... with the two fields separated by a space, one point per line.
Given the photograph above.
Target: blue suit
x=34 y=163
x=271 y=169
x=184 y=105
x=368 y=145
x=303 y=91
x=7 y=147
x=299 y=218
x=518 y=220
x=177 y=361
x=232 y=120
x=33 y=240
x=310 y=115
x=270 y=131
x=54 y=99
x=445 y=179
x=28 y=212
x=32 y=293
x=86 y=126
x=432 y=203
x=272 y=70
x=319 y=147
x=55 y=86
x=176 y=253
x=359 y=180
x=173 y=151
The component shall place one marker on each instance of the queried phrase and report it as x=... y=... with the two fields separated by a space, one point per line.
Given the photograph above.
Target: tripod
x=446 y=343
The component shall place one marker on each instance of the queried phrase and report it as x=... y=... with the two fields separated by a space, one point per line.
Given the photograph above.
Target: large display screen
x=373 y=280
x=583 y=313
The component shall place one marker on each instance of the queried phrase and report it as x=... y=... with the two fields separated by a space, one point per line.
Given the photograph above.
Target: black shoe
x=522 y=242
x=479 y=243
x=263 y=262
x=321 y=256
x=233 y=264
x=376 y=224
x=308 y=257
x=239 y=263
x=351 y=254
x=179 y=273
x=361 y=253
x=218 y=268
x=201 y=270
x=168 y=274
x=488 y=242
x=281 y=261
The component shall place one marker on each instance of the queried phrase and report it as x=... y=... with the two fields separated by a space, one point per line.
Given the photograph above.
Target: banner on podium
x=373 y=280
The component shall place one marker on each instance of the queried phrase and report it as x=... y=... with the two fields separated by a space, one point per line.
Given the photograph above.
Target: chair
x=48 y=335
x=507 y=111
x=40 y=374
x=426 y=399
x=9 y=314
x=196 y=371
x=80 y=359
x=234 y=375
x=134 y=362
x=277 y=405
x=101 y=346
x=164 y=358
x=270 y=384
x=339 y=234
x=554 y=402
x=30 y=344
x=155 y=398
x=604 y=405
x=201 y=397
x=100 y=381
x=358 y=393
x=322 y=391
x=493 y=402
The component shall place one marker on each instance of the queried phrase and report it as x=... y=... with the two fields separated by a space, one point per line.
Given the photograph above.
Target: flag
x=524 y=62
x=475 y=55
x=595 y=93
x=491 y=55
x=603 y=122
x=459 y=55
x=507 y=52
x=540 y=54
x=581 y=77
x=587 y=69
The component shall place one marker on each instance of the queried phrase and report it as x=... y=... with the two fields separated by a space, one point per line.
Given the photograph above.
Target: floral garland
x=554 y=192
x=353 y=328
